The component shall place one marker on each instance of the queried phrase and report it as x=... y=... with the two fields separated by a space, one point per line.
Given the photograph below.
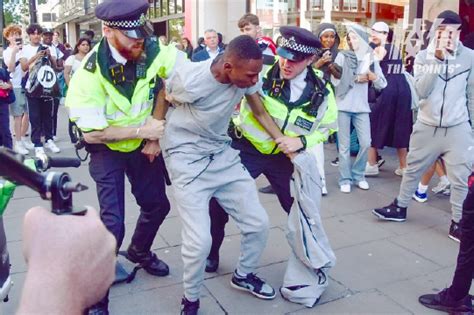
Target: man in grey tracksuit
x=202 y=164
x=445 y=84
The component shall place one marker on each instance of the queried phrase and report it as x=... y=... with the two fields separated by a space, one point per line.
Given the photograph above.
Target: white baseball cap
x=380 y=27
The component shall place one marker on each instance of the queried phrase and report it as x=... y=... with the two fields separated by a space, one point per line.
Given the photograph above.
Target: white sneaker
x=346 y=188
x=441 y=187
x=19 y=148
x=39 y=152
x=51 y=146
x=371 y=170
x=27 y=143
x=324 y=190
x=399 y=171
x=363 y=185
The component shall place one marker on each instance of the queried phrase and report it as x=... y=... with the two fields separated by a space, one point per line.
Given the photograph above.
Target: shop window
x=350 y=5
x=316 y=4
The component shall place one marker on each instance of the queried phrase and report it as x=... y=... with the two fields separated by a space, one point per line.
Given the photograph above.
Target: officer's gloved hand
x=153 y=129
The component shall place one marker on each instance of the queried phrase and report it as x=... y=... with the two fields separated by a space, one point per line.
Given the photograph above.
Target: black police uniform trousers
x=108 y=169
x=465 y=264
x=277 y=168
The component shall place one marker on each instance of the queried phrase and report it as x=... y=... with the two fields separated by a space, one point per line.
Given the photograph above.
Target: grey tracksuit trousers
x=455 y=145
x=196 y=179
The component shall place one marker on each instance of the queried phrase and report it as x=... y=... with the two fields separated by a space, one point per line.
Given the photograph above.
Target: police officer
x=111 y=100
x=304 y=108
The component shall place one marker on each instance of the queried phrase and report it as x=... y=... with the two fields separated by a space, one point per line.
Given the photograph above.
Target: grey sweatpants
x=455 y=145
x=196 y=179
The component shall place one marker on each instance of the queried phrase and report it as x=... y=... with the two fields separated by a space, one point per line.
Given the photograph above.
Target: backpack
x=42 y=80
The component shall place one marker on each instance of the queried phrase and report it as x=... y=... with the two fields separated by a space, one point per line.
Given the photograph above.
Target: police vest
x=293 y=122
x=95 y=103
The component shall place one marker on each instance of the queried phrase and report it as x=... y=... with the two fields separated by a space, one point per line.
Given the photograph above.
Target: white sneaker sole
x=419 y=199
x=453 y=238
x=263 y=297
x=385 y=218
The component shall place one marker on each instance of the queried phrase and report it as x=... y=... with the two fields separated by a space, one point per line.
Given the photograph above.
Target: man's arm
x=262 y=116
x=25 y=63
x=152 y=130
x=11 y=62
x=425 y=74
x=470 y=93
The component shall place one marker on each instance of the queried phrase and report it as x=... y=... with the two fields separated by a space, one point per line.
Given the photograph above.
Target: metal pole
x=33 y=12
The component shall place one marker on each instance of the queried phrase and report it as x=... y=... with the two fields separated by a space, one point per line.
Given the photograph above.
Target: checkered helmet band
x=291 y=44
x=127 y=24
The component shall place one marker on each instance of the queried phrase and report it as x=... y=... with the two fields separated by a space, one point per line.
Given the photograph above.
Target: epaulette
x=91 y=63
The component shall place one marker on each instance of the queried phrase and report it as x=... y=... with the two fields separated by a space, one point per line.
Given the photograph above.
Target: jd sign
x=46 y=76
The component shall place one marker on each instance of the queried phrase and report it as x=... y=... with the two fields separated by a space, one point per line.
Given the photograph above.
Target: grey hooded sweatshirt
x=445 y=88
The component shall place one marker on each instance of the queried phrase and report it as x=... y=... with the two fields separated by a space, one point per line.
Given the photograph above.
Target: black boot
x=188 y=307
x=148 y=261
x=443 y=302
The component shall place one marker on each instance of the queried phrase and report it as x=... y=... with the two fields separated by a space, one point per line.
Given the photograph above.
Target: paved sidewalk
x=382 y=267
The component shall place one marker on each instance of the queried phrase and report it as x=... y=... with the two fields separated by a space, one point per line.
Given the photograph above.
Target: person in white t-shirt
x=73 y=62
x=18 y=109
x=41 y=109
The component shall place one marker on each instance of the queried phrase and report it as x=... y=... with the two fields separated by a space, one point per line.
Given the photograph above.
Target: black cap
x=297 y=43
x=125 y=15
x=449 y=17
x=48 y=31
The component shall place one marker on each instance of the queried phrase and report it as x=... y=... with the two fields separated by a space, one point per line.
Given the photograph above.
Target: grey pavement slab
x=370 y=265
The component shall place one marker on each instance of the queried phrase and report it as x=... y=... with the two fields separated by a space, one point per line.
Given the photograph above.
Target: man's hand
x=288 y=144
x=362 y=78
x=371 y=76
x=151 y=149
x=380 y=52
x=71 y=261
x=152 y=130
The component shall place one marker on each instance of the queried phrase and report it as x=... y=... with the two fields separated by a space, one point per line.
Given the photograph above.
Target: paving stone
x=433 y=244
x=160 y=301
x=370 y=265
x=348 y=230
x=361 y=303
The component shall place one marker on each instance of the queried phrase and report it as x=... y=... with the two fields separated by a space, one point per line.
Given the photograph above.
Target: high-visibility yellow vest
x=292 y=122
x=95 y=103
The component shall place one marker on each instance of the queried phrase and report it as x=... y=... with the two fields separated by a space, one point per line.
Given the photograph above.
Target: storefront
x=167 y=17
x=310 y=13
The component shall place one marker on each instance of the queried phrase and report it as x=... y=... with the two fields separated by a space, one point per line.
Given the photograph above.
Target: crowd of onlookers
x=34 y=78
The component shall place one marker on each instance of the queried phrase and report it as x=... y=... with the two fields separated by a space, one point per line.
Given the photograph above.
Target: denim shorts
x=20 y=106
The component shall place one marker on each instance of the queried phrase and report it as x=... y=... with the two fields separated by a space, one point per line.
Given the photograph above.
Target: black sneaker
x=267 y=190
x=392 y=212
x=455 y=232
x=212 y=264
x=148 y=261
x=253 y=284
x=335 y=162
x=188 y=307
x=380 y=161
x=443 y=302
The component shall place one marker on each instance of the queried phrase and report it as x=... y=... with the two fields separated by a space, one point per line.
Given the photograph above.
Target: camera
x=322 y=51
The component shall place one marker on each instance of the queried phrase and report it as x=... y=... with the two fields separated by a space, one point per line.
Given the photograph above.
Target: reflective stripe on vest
x=293 y=123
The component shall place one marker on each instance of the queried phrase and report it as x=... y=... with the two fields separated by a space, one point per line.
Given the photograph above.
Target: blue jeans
x=361 y=124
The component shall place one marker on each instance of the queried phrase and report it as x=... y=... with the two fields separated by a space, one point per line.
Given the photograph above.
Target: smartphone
x=41 y=48
x=18 y=41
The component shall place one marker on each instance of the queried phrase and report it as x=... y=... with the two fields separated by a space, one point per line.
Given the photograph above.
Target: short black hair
x=243 y=47
x=90 y=33
x=33 y=28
